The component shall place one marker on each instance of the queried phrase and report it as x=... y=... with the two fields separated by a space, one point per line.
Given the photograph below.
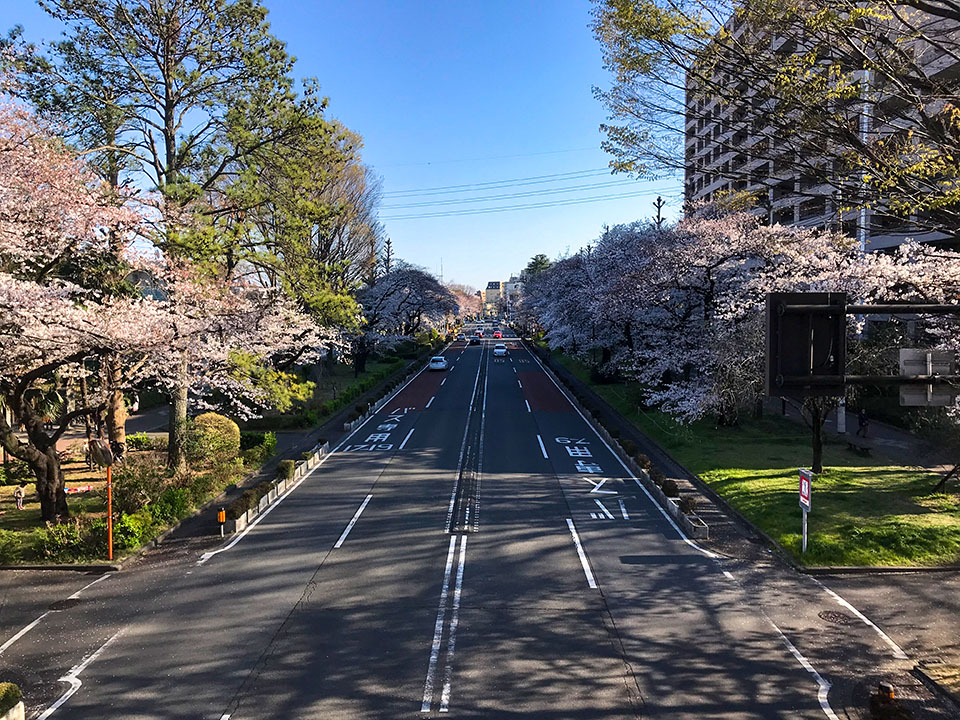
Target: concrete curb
x=70 y=568
x=928 y=680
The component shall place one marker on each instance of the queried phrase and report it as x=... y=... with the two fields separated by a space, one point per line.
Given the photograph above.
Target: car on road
x=497 y=334
x=479 y=333
x=475 y=340
x=499 y=350
x=438 y=362
x=461 y=336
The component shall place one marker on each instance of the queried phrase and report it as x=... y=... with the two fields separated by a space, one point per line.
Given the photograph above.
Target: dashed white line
x=623 y=509
x=430 y=402
x=353 y=521
x=438 y=630
x=23 y=631
x=542 y=448
x=528 y=405
x=583 y=558
x=443 y=381
x=89 y=585
x=520 y=384
x=728 y=574
x=404 y=443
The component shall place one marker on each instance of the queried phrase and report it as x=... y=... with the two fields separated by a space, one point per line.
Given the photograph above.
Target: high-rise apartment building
x=727 y=150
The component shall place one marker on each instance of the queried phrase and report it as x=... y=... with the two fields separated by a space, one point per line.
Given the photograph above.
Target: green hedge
x=285 y=469
x=10 y=695
x=249 y=499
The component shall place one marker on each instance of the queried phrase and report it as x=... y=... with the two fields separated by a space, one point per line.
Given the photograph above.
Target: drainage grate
x=836 y=617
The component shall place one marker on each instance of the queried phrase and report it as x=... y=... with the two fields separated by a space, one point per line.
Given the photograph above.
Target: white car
x=499 y=350
x=438 y=363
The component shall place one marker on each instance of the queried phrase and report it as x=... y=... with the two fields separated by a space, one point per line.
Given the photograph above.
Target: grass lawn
x=865 y=511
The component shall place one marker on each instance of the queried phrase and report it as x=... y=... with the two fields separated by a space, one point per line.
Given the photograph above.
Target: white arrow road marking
x=597 y=485
x=623 y=509
x=605 y=511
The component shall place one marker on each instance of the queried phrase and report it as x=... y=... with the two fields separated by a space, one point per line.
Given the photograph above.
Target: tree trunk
x=116 y=408
x=176 y=457
x=53 y=497
x=758 y=407
x=817 y=416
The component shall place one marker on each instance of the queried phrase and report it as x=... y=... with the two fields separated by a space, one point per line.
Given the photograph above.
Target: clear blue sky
x=461 y=92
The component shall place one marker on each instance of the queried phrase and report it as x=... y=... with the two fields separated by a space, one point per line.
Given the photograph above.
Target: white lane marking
x=728 y=574
x=27 y=628
x=646 y=492
x=623 y=509
x=224 y=717
x=239 y=536
x=23 y=631
x=511 y=360
x=597 y=485
x=438 y=630
x=73 y=677
x=89 y=585
x=430 y=401
x=897 y=650
x=443 y=381
x=404 y=443
x=823 y=686
x=583 y=558
x=528 y=405
x=604 y=508
x=520 y=384
x=454 y=622
x=353 y=521
x=542 y=448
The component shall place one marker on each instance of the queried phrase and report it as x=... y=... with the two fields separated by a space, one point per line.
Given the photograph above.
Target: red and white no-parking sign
x=806 y=478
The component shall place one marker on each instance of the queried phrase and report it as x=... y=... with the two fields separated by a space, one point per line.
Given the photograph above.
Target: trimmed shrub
x=11 y=547
x=643 y=461
x=285 y=469
x=213 y=437
x=138 y=441
x=306 y=455
x=656 y=474
x=246 y=501
x=172 y=506
x=688 y=504
x=130 y=530
x=629 y=446
x=670 y=488
x=59 y=542
x=138 y=482
x=10 y=695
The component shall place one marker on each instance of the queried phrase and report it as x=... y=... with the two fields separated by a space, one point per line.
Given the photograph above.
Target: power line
x=529 y=193
x=492 y=157
x=534 y=180
x=531 y=206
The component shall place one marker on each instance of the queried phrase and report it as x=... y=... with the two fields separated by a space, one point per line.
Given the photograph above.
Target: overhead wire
x=528 y=206
x=508 y=196
x=494 y=184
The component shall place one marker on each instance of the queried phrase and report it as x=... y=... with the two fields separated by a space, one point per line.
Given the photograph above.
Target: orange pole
x=109 y=514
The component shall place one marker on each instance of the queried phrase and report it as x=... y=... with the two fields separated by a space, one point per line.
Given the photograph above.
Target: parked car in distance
x=497 y=334
x=438 y=362
x=475 y=340
x=499 y=350
x=461 y=336
x=479 y=333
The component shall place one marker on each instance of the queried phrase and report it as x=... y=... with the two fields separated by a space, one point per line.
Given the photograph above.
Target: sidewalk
x=153 y=420
x=895 y=444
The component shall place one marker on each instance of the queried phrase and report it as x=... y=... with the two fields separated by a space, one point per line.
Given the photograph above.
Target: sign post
x=103 y=456
x=222 y=519
x=806 y=485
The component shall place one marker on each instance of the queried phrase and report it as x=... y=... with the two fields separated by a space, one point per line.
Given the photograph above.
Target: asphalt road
x=473 y=550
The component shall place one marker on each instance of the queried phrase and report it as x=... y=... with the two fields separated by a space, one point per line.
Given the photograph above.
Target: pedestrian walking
x=135 y=405
x=19 y=493
x=863 y=423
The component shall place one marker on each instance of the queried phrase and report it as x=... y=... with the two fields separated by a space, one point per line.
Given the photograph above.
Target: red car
x=479 y=333
x=497 y=334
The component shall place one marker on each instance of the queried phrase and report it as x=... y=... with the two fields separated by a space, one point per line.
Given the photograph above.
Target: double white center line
x=438 y=630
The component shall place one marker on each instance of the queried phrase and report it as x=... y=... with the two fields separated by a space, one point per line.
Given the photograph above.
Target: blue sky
x=461 y=93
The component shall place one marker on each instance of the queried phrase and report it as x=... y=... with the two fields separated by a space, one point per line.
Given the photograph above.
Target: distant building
x=512 y=293
x=493 y=299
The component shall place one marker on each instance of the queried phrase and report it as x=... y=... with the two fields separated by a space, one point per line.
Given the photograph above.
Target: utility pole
x=658 y=204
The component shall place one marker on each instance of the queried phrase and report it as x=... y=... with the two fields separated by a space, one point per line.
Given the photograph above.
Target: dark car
x=475 y=340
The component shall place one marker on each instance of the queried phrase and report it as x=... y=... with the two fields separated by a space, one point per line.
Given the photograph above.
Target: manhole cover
x=836 y=617
x=65 y=604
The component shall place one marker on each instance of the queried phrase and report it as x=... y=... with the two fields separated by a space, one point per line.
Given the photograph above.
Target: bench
x=859 y=444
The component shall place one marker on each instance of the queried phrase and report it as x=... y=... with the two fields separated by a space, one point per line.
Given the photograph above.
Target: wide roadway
x=567 y=594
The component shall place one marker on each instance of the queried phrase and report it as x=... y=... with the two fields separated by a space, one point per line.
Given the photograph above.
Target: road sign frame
x=806 y=489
